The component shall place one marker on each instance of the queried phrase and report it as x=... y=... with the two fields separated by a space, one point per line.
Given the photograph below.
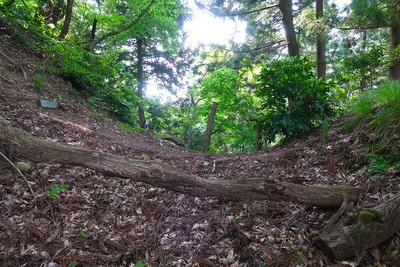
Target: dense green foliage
x=99 y=64
x=178 y=119
x=292 y=98
x=374 y=12
x=262 y=96
x=377 y=113
x=232 y=129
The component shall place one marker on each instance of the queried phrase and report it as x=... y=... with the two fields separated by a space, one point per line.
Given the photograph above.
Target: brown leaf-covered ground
x=107 y=221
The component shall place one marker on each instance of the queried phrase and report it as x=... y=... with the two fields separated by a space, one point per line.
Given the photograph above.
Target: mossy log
x=351 y=232
x=163 y=175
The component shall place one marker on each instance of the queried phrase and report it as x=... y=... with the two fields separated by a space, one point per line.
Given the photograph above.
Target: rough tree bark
x=285 y=6
x=93 y=30
x=163 y=175
x=67 y=21
x=321 y=60
x=350 y=233
x=394 y=70
x=140 y=79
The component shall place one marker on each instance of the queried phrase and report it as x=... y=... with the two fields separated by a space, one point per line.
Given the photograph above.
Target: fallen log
x=349 y=233
x=162 y=175
x=171 y=138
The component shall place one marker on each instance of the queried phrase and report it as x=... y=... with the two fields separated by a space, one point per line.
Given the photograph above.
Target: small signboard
x=47 y=104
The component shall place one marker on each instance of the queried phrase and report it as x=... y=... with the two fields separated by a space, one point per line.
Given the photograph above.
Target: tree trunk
x=210 y=123
x=394 y=70
x=363 y=82
x=350 y=233
x=163 y=175
x=285 y=7
x=67 y=21
x=142 y=119
x=321 y=60
x=93 y=31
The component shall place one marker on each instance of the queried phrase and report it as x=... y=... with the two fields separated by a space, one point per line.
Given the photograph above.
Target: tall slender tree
x=140 y=79
x=67 y=20
x=145 y=35
x=321 y=57
x=210 y=124
x=285 y=6
x=394 y=69
x=368 y=14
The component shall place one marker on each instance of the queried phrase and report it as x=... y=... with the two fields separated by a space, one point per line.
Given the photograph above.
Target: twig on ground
x=7 y=57
x=19 y=172
x=11 y=82
x=16 y=65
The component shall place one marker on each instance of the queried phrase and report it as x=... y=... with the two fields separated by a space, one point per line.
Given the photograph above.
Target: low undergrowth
x=376 y=122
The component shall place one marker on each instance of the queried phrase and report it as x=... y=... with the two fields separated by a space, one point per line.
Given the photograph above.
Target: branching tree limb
x=122 y=29
x=253 y=49
x=237 y=14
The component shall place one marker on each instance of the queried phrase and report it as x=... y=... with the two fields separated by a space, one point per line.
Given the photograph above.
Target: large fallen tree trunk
x=350 y=233
x=163 y=175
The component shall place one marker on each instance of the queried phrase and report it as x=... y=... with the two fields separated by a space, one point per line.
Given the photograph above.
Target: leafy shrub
x=377 y=115
x=84 y=70
x=92 y=75
x=292 y=98
x=38 y=82
x=367 y=65
x=180 y=119
x=379 y=165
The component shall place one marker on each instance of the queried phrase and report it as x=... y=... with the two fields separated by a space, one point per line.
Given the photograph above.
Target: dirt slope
x=107 y=221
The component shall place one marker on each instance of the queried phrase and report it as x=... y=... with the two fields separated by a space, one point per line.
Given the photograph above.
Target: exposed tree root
x=350 y=233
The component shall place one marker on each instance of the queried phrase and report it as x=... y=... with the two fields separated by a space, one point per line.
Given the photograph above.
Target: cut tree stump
x=163 y=175
x=349 y=233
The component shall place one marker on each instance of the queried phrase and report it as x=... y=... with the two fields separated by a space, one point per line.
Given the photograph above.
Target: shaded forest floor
x=108 y=221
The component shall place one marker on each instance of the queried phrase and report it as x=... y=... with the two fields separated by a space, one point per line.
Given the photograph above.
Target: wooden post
x=210 y=123
x=259 y=137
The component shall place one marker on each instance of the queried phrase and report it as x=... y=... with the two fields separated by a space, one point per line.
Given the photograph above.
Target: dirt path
x=94 y=220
